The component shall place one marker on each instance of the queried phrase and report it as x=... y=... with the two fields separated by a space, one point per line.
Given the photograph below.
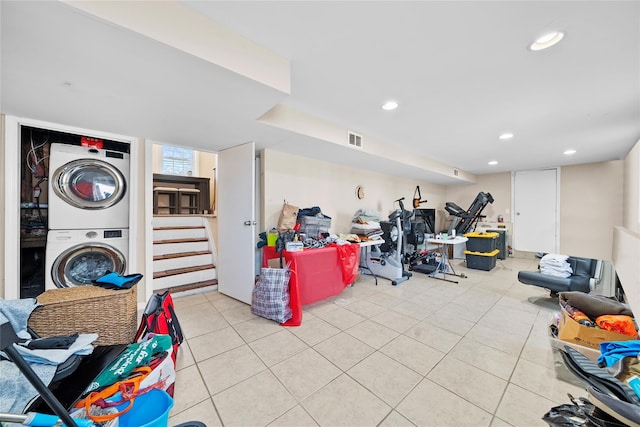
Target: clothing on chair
x=82 y=346
x=17 y=313
x=60 y=342
x=15 y=391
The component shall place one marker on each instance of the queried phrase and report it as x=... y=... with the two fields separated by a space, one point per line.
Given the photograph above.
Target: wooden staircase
x=184 y=255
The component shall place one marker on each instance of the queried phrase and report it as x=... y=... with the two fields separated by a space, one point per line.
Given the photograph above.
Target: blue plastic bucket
x=149 y=410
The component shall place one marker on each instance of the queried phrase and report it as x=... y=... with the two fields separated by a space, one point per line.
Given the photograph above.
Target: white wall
x=137 y=259
x=626 y=239
x=306 y=183
x=631 y=215
x=591 y=204
x=2 y=207
x=207 y=164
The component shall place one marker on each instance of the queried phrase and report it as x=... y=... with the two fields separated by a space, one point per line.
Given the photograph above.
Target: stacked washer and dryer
x=88 y=214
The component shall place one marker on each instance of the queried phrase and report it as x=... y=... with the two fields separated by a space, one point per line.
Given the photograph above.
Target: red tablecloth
x=316 y=275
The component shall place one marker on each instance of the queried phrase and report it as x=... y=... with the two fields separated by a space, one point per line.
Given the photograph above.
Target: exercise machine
x=467 y=220
x=423 y=223
x=386 y=260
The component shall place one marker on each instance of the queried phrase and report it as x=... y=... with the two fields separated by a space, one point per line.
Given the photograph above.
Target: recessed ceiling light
x=547 y=40
x=569 y=152
x=505 y=136
x=493 y=162
x=390 y=105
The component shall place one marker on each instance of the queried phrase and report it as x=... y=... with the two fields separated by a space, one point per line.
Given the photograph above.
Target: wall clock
x=360 y=192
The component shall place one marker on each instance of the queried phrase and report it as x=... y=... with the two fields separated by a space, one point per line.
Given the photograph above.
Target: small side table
x=445 y=264
x=365 y=247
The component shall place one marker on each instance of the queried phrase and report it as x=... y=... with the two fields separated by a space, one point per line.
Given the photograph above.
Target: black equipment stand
x=470 y=217
x=7 y=338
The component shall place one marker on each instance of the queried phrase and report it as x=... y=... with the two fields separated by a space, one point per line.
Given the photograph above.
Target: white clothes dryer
x=78 y=257
x=88 y=188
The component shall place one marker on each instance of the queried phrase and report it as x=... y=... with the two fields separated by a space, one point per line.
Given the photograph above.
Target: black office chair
x=586 y=275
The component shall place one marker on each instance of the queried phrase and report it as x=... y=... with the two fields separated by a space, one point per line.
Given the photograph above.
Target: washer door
x=89 y=184
x=82 y=264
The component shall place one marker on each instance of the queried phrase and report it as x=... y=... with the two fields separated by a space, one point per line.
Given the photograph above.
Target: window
x=178 y=161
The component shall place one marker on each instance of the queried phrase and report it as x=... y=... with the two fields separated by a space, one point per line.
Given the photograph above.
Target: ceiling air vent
x=355 y=140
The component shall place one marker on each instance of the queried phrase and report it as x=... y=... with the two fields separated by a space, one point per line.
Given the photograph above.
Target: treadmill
x=469 y=218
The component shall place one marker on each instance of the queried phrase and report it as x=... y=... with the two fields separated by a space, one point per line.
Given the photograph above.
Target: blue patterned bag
x=270 y=297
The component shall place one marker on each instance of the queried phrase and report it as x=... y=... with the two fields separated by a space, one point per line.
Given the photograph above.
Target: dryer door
x=89 y=184
x=82 y=264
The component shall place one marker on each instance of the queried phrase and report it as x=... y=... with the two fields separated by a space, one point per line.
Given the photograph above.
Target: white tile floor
x=424 y=353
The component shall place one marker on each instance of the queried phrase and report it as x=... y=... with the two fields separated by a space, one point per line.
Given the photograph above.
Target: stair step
x=168 y=264
x=189 y=286
x=178 y=227
x=164 y=242
x=176 y=271
x=183 y=256
x=177 y=220
x=181 y=247
x=163 y=234
x=180 y=255
x=171 y=281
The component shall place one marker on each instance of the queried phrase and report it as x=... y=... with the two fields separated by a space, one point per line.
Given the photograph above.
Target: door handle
x=249 y=223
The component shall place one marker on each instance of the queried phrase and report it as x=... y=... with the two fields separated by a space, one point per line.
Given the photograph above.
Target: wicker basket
x=112 y=314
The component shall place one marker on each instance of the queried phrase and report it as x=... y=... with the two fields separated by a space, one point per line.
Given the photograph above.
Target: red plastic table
x=316 y=275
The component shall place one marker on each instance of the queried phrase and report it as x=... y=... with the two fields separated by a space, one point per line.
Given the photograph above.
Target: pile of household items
x=75 y=356
x=595 y=345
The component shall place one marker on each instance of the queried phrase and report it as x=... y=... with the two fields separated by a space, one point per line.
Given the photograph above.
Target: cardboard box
x=571 y=331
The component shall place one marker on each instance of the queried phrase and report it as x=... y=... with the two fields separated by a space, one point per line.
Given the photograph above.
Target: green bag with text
x=135 y=355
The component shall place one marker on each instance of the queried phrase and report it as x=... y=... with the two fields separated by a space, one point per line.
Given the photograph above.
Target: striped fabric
x=270 y=297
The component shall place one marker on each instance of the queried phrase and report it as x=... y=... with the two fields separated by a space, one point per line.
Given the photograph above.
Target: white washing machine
x=88 y=188
x=77 y=257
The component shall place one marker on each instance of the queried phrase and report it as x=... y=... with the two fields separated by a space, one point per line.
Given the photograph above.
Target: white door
x=236 y=222
x=535 y=201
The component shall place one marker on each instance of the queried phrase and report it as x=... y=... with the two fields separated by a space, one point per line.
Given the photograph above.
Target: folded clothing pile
x=369 y=230
x=555 y=265
x=366 y=215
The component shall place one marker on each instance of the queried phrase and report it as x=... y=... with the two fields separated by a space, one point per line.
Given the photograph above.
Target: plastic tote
x=150 y=409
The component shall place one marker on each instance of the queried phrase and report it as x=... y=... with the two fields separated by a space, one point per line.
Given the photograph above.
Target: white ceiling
x=461 y=72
